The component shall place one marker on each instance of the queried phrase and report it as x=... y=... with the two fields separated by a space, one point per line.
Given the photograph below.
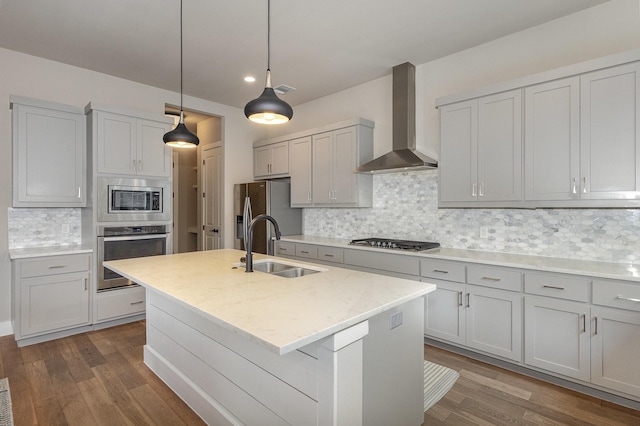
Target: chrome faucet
x=248 y=242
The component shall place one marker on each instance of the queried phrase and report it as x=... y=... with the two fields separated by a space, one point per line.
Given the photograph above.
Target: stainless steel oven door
x=126 y=247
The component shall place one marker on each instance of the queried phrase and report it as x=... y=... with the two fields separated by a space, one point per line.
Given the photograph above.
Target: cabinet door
x=261 y=161
x=116 y=143
x=500 y=147
x=552 y=140
x=494 y=322
x=610 y=147
x=301 y=172
x=153 y=157
x=458 y=152
x=556 y=336
x=49 y=158
x=322 y=168
x=343 y=181
x=280 y=158
x=51 y=303
x=444 y=312
x=615 y=349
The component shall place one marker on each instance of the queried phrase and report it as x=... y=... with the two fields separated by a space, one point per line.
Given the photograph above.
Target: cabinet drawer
x=408 y=265
x=616 y=294
x=306 y=250
x=331 y=254
x=285 y=248
x=53 y=265
x=120 y=303
x=442 y=270
x=561 y=287
x=487 y=276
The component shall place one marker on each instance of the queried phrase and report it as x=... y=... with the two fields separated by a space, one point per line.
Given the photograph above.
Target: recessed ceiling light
x=249 y=79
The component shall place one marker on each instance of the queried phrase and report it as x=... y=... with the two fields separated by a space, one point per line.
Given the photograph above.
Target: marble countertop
x=620 y=271
x=281 y=314
x=30 y=252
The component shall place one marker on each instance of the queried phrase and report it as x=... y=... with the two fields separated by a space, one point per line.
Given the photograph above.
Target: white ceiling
x=318 y=47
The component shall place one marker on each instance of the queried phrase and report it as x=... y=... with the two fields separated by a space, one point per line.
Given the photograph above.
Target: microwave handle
x=135 y=237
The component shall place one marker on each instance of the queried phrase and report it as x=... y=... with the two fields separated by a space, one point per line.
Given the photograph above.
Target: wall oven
x=125 y=242
x=133 y=200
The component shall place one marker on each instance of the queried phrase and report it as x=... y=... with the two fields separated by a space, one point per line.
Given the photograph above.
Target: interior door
x=212 y=237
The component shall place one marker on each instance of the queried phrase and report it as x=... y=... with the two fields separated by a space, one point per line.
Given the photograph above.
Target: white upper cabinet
x=552 y=140
x=580 y=146
x=610 y=144
x=49 y=160
x=301 y=172
x=481 y=150
x=130 y=145
x=271 y=161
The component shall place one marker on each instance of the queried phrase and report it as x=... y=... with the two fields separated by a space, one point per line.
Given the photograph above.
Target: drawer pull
x=440 y=271
x=553 y=287
x=630 y=299
x=329 y=255
x=57 y=266
x=304 y=252
x=137 y=303
x=283 y=249
x=492 y=279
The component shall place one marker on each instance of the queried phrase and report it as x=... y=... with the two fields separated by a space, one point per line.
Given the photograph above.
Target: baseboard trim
x=5 y=328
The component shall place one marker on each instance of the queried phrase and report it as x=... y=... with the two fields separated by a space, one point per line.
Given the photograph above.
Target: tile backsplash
x=43 y=227
x=405 y=205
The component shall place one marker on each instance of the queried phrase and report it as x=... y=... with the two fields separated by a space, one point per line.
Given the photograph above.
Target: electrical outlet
x=395 y=320
x=484 y=232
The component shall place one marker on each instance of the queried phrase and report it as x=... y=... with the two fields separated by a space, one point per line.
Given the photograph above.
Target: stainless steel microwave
x=133 y=200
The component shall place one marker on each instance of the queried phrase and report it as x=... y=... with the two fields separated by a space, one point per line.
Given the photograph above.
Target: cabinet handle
x=584 y=185
x=57 y=266
x=630 y=299
x=304 y=252
x=283 y=249
x=459 y=298
x=574 y=186
x=481 y=189
x=473 y=189
x=137 y=303
x=329 y=255
x=440 y=271
x=468 y=300
x=584 y=323
x=553 y=287
x=140 y=165
x=133 y=165
x=86 y=286
x=309 y=196
x=596 y=323
x=79 y=196
x=492 y=279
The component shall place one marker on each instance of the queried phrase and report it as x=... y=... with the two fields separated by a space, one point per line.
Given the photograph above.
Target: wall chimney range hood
x=404 y=156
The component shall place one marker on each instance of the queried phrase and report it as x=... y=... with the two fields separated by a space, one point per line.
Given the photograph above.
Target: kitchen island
x=336 y=347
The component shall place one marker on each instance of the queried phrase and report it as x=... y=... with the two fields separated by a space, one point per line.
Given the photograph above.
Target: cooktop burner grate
x=394 y=244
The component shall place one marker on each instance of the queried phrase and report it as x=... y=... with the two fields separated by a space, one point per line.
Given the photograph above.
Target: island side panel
x=222 y=375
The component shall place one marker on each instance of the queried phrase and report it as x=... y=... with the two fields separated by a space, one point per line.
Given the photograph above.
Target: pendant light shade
x=181 y=137
x=268 y=108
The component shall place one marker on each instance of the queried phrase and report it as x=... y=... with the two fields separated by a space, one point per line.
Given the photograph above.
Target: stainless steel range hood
x=404 y=155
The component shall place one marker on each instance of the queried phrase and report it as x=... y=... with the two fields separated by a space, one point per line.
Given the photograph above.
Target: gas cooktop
x=394 y=244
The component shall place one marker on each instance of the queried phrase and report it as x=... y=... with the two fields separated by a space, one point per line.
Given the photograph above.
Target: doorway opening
x=187 y=179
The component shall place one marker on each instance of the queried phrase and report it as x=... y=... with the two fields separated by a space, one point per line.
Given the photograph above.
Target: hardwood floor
x=98 y=378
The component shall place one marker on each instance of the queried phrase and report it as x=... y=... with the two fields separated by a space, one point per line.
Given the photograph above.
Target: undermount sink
x=283 y=269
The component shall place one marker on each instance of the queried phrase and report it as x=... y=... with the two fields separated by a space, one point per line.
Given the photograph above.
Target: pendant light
x=181 y=137
x=268 y=108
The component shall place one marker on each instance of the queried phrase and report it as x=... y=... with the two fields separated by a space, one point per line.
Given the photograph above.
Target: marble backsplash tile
x=405 y=205
x=43 y=227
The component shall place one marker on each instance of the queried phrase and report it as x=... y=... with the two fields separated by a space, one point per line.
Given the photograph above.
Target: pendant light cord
x=181 y=54
x=268 y=35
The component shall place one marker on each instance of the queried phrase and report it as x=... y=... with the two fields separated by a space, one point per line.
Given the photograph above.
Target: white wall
x=34 y=77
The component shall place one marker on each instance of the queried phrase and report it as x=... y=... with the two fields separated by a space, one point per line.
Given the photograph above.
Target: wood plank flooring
x=98 y=378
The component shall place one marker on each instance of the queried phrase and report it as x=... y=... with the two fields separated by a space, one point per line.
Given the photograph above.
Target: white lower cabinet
x=120 y=303
x=51 y=294
x=557 y=336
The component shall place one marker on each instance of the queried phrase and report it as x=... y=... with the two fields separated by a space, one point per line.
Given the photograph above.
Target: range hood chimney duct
x=404 y=156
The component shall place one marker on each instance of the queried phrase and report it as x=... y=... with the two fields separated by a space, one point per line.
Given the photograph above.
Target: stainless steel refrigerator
x=268 y=197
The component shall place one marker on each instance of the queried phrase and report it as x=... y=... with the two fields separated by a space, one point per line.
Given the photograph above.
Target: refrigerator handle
x=247 y=217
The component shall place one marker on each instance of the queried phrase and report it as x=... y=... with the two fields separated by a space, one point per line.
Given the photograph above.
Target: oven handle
x=135 y=237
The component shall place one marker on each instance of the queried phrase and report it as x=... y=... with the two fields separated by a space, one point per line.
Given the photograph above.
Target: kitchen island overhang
x=252 y=348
